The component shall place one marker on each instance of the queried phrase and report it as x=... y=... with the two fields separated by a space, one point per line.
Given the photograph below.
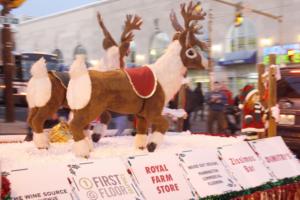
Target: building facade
x=235 y=49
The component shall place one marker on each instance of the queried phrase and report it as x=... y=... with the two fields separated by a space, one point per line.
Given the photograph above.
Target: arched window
x=158 y=44
x=80 y=50
x=242 y=37
x=60 y=57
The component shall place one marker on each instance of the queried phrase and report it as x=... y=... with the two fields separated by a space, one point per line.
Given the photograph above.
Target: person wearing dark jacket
x=199 y=101
x=216 y=101
x=189 y=106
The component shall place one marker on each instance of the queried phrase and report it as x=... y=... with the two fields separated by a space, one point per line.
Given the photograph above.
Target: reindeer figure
x=113 y=90
x=114 y=58
x=46 y=91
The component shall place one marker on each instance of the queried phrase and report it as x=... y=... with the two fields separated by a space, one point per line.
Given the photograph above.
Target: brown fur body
x=38 y=115
x=112 y=91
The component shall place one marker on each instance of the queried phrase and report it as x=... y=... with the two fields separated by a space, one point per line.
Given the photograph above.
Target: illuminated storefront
x=286 y=54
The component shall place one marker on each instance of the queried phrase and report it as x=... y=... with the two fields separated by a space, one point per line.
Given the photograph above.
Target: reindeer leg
x=31 y=114
x=86 y=133
x=105 y=118
x=160 y=126
x=141 y=135
x=80 y=120
x=40 y=138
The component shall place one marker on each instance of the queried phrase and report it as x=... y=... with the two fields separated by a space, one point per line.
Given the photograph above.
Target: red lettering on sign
x=167 y=188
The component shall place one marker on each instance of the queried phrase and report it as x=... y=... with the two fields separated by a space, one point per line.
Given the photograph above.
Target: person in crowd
x=216 y=101
x=199 y=101
x=189 y=106
x=227 y=93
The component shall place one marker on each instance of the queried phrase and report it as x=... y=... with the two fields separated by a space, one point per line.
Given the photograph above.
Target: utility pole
x=209 y=42
x=8 y=66
x=8 y=60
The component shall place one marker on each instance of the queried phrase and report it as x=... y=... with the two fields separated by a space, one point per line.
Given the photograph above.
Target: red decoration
x=142 y=80
x=5 y=189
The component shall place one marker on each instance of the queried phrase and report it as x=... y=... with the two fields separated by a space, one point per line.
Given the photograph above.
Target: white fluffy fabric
x=41 y=140
x=177 y=113
x=110 y=60
x=80 y=86
x=275 y=112
x=140 y=141
x=81 y=148
x=39 y=86
x=90 y=143
x=169 y=70
x=157 y=138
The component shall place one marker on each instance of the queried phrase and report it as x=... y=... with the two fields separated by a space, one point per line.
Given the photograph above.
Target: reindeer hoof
x=96 y=137
x=141 y=148
x=81 y=148
x=90 y=143
x=41 y=140
x=40 y=148
x=151 y=147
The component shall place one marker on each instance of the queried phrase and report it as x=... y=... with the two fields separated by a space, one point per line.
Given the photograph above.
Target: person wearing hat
x=252 y=113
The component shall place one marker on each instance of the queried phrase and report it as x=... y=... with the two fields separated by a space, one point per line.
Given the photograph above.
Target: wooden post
x=272 y=98
x=260 y=83
x=8 y=66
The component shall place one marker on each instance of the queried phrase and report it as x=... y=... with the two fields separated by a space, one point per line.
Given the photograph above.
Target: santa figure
x=252 y=113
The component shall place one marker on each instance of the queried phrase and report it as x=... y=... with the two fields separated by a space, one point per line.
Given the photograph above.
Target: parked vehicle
x=23 y=63
x=288 y=94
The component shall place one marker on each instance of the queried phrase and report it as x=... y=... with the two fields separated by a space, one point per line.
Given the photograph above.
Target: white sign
x=41 y=183
x=244 y=165
x=159 y=176
x=102 y=179
x=277 y=157
x=206 y=172
x=8 y=20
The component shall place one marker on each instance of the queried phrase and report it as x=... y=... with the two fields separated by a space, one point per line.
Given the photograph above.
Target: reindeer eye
x=191 y=53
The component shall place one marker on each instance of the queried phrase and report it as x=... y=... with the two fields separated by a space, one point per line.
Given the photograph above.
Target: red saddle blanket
x=142 y=80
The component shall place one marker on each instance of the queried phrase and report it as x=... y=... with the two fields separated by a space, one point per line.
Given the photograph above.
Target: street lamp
x=8 y=60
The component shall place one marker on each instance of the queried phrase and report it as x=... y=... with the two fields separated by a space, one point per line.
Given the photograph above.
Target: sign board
x=282 y=52
x=159 y=176
x=39 y=183
x=102 y=179
x=206 y=172
x=244 y=165
x=8 y=20
x=277 y=157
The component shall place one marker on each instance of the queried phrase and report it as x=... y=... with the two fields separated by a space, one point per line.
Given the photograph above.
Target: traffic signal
x=238 y=19
x=291 y=55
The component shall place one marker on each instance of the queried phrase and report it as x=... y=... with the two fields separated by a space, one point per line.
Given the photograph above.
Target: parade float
x=185 y=166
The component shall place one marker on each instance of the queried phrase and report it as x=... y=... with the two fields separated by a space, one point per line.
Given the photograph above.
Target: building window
x=158 y=44
x=240 y=38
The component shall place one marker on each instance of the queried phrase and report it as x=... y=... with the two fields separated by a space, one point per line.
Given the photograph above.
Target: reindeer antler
x=175 y=22
x=191 y=13
x=131 y=23
x=108 y=40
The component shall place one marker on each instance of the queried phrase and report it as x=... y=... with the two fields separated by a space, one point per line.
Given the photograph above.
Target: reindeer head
x=131 y=23
x=191 y=46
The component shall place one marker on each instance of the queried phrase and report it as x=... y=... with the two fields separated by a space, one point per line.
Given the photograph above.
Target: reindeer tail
x=39 y=86
x=80 y=86
x=39 y=69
